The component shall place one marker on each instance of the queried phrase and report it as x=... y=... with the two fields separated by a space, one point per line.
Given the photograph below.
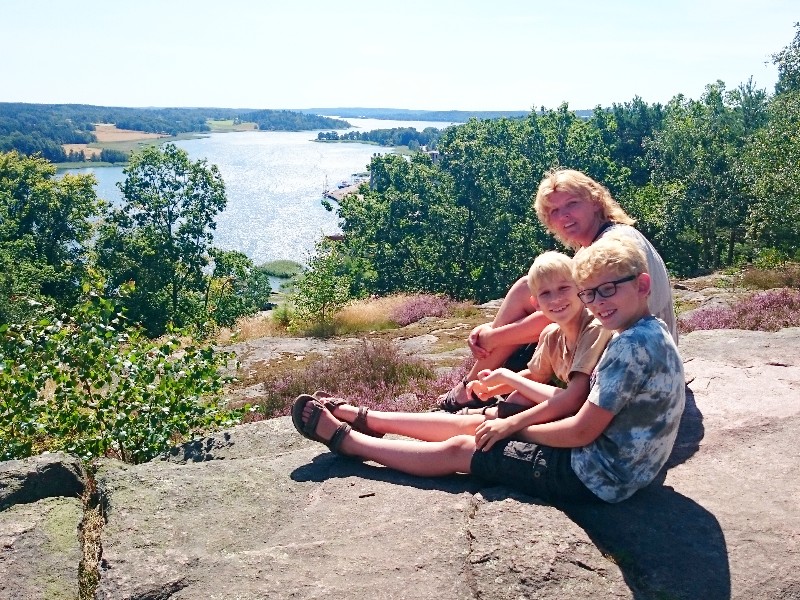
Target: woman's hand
x=479 y=351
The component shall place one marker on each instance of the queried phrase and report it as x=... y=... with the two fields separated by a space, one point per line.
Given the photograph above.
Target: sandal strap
x=360 y=422
x=337 y=438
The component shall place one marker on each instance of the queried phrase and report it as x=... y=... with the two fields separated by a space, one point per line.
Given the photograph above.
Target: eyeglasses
x=606 y=290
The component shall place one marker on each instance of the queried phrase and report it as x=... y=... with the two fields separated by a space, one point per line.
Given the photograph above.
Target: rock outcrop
x=259 y=512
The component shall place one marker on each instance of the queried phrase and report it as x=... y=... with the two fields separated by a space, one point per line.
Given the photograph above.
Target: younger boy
x=614 y=445
x=568 y=348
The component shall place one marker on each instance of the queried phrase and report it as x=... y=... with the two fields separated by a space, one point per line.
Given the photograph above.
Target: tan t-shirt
x=552 y=357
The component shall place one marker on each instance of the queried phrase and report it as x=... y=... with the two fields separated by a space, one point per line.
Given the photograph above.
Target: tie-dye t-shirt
x=640 y=379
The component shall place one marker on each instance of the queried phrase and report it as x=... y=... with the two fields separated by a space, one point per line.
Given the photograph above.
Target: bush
x=372 y=374
x=765 y=311
x=90 y=385
x=765 y=279
x=419 y=306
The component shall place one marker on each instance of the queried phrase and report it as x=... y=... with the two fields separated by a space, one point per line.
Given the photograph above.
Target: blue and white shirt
x=640 y=379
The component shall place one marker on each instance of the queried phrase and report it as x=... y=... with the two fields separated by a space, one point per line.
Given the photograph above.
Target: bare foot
x=327 y=424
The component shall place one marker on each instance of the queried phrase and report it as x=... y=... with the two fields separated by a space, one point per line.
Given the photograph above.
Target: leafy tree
x=696 y=157
x=161 y=237
x=93 y=385
x=236 y=287
x=45 y=227
x=772 y=169
x=788 y=63
x=321 y=290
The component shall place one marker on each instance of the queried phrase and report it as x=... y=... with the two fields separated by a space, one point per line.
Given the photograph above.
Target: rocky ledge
x=259 y=512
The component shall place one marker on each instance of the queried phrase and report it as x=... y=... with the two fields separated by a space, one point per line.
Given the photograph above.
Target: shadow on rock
x=330 y=466
x=665 y=544
x=690 y=433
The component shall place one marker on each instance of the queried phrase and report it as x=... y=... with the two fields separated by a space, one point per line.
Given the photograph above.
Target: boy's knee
x=461 y=444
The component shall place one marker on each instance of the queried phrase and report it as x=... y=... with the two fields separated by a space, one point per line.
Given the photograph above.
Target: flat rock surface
x=39 y=550
x=260 y=512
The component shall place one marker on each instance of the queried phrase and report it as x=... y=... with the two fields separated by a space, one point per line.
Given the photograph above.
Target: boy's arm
x=552 y=402
x=493 y=383
x=576 y=431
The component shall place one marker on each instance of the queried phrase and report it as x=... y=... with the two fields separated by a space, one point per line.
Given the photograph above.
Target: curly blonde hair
x=581 y=186
x=618 y=256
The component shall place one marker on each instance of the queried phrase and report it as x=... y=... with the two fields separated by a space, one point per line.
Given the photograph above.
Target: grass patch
x=388 y=312
x=375 y=374
x=252 y=327
x=282 y=268
x=228 y=125
x=765 y=279
x=764 y=311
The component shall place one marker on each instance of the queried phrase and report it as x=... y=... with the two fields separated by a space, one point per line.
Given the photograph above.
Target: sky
x=414 y=54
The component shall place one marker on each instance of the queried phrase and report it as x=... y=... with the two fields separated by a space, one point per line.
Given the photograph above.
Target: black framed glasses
x=605 y=290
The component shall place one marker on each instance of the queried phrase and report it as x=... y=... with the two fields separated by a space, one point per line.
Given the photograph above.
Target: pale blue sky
x=422 y=54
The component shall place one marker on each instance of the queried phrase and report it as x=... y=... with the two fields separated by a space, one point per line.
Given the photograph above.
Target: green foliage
x=283 y=315
x=321 y=290
x=161 y=237
x=236 y=287
x=397 y=136
x=46 y=225
x=285 y=120
x=91 y=385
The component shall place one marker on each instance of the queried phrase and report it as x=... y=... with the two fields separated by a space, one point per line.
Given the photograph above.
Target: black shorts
x=540 y=471
x=519 y=360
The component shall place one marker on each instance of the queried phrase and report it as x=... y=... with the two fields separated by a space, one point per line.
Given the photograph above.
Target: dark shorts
x=539 y=471
x=519 y=360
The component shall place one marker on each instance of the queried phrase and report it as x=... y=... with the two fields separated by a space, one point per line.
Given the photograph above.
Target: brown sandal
x=308 y=429
x=359 y=423
x=451 y=405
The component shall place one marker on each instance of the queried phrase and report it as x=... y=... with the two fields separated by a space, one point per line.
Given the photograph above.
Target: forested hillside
x=43 y=128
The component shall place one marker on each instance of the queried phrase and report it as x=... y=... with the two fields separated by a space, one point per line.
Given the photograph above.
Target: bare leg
x=430 y=427
x=425 y=459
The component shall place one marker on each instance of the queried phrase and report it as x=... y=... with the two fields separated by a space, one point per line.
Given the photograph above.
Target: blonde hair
x=583 y=187
x=616 y=255
x=547 y=266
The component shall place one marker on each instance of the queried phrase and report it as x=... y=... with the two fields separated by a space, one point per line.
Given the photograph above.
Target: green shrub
x=91 y=385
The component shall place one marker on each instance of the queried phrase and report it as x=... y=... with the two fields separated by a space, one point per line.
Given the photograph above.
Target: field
x=228 y=125
x=125 y=140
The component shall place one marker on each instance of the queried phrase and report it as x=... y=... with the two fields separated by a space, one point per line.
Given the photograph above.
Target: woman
x=578 y=211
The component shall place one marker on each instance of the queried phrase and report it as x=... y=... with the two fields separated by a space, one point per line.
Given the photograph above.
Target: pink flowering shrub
x=764 y=311
x=373 y=374
x=421 y=305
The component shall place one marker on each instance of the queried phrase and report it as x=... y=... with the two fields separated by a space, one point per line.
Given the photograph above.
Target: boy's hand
x=491 y=430
x=480 y=389
x=494 y=377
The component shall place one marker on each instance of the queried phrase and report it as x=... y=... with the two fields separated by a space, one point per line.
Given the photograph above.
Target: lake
x=274 y=183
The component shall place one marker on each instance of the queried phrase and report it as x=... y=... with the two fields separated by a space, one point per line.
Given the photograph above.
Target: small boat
x=343 y=184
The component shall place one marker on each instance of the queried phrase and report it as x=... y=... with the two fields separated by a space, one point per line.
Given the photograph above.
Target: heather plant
x=92 y=385
x=374 y=373
x=764 y=311
x=419 y=306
